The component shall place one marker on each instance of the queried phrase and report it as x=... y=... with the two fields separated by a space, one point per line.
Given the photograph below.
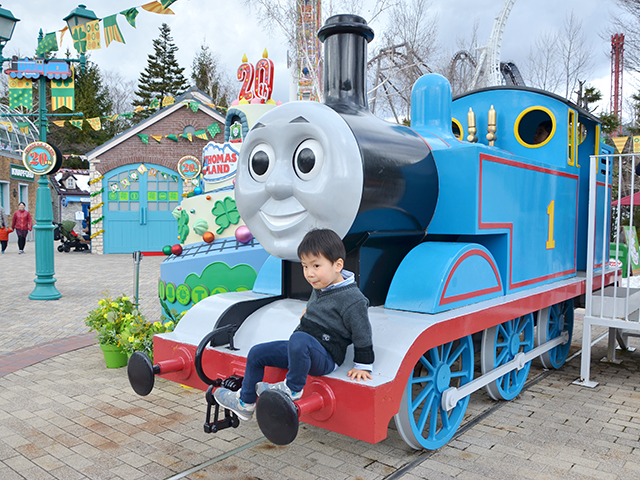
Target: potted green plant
x=138 y=335
x=108 y=320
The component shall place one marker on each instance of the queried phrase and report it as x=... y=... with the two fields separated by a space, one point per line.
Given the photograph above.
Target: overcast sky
x=231 y=31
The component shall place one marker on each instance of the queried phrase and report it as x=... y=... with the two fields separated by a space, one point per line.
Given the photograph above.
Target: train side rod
x=453 y=395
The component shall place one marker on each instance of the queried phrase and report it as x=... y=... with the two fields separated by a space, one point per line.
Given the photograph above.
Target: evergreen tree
x=163 y=76
x=93 y=100
x=208 y=78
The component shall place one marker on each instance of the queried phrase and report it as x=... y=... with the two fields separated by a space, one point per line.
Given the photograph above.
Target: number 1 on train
x=551 y=243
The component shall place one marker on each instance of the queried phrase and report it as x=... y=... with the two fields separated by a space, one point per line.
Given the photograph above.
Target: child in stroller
x=68 y=238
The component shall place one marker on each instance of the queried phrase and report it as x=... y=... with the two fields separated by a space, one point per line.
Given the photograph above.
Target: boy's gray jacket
x=337 y=318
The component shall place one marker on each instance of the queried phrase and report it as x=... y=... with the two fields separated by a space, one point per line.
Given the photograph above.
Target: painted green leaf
x=226 y=213
x=183 y=227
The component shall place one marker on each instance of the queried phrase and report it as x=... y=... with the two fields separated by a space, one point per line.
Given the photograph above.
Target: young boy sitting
x=336 y=316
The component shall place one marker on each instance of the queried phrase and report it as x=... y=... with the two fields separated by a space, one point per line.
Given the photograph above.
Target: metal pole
x=45 y=282
x=585 y=360
x=137 y=256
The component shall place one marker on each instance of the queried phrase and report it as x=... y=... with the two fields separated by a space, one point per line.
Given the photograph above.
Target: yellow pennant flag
x=619 y=142
x=636 y=144
x=59 y=123
x=139 y=108
x=168 y=101
x=157 y=138
x=8 y=125
x=62 y=32
x=156 y=7
x=95 y=123
x=93 y=35
x=63 y=94
x=79 y=35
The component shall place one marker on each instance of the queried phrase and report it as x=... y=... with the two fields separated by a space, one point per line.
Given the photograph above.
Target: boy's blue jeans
x=302 y=354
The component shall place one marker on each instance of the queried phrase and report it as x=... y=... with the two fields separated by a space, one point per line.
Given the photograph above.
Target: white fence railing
x=615 y=307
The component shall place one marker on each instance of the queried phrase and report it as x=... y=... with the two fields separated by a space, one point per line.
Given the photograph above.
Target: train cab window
x=582 y=133
x=572 y=135
x=535 y=127
x=456 y=127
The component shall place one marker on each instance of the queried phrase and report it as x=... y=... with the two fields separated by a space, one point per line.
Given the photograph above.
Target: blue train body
x=447 y=238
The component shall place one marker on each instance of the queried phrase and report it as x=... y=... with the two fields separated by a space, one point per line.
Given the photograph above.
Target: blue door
x=138 y=208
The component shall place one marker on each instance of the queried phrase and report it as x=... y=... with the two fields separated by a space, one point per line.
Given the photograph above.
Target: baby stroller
x=68 y=238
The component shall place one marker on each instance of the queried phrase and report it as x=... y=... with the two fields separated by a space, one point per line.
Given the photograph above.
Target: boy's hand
x=356 y=374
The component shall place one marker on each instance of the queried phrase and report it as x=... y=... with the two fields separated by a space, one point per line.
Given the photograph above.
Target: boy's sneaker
x=231 y=400
x=282 y=386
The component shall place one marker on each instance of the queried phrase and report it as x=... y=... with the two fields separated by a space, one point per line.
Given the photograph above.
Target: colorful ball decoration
x=176 y=249
x=197 y=191
x=208 y=237
x=243 y=235
x=166 y=250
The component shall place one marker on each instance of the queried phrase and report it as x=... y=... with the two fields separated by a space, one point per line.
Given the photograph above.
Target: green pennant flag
x=173 y=137
x=112 y=32
x=127 y=115
x=167 y=3
x=155 y=103
x=194 y=106
x=47 y=44
x=62 y=94
x=202 y=134
x=213 y=129
x=144 y=138
x=188 y=136
x=24 y=126
x=131 y=15
x=76 y=123
x=20 y=93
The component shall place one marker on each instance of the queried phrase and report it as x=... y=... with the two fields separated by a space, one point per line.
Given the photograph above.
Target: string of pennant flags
x=87 y=37
x=620 y=143
x=212 y=130
x=96 y=122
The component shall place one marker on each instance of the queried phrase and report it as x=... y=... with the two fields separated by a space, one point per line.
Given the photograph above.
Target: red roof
x=627 y=200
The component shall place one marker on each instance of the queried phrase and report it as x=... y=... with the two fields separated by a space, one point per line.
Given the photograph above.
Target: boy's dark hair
x=547 y=125
x=323 y=242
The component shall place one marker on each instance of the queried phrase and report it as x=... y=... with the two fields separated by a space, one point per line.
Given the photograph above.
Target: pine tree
x=208 y=78
x=163 y=76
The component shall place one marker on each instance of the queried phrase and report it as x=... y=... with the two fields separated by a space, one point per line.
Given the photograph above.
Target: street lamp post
x=45 y=288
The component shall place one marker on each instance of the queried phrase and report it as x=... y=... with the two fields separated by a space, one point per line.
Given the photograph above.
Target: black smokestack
x=345 y=39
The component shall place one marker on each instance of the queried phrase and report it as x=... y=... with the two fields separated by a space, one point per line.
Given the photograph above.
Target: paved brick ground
x=69 y=417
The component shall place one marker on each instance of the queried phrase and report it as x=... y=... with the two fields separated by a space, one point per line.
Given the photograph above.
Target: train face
x=300 y=168
x=334 y=165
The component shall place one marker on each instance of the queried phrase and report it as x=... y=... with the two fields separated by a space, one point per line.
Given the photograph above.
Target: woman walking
x=22 y=224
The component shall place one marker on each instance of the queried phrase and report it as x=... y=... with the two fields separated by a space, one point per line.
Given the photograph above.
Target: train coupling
x=142 y=372
x=230 y=419
x=278 y=415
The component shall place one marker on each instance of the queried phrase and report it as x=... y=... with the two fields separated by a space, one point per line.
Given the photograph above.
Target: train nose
x=279 y=185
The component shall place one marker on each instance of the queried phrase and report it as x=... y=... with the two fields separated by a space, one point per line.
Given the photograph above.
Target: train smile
x=280 y=222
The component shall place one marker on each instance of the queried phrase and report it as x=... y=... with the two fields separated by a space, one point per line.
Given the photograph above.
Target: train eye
x=308 y=159
x=261 y=161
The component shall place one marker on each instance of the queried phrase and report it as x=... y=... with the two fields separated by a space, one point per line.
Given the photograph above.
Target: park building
x=17 y=184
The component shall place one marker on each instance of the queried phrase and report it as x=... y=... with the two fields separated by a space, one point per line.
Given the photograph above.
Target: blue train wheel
x=552 y=321
x=421 y=420
x=500 y=344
